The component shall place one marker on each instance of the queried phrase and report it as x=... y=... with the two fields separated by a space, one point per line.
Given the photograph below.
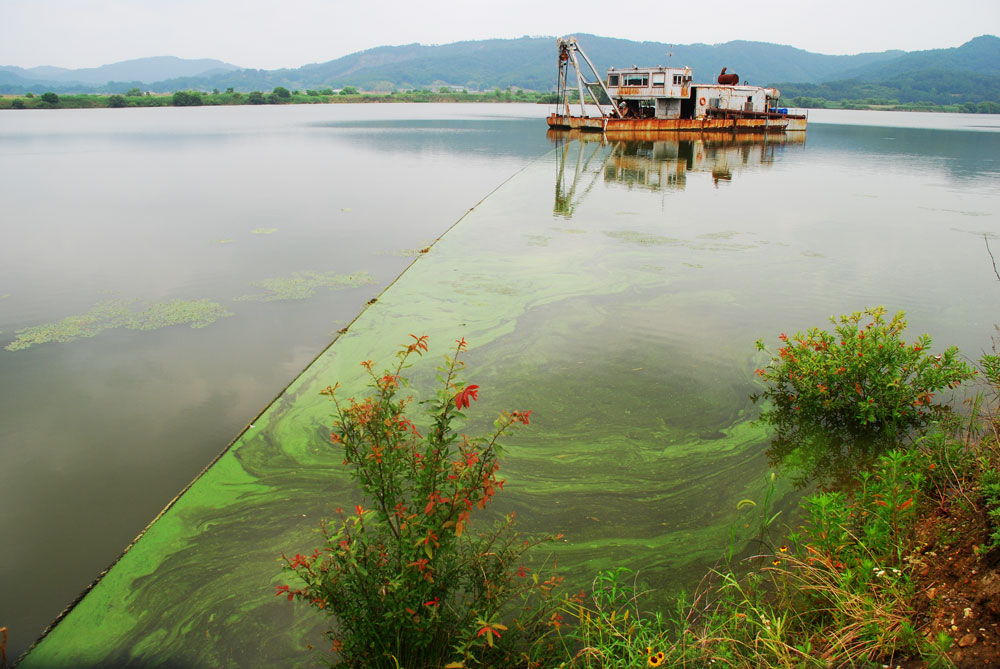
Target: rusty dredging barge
x=657 y=99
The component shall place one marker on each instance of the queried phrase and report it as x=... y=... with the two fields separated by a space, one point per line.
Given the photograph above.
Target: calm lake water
x=149 y=206
x=632 y=278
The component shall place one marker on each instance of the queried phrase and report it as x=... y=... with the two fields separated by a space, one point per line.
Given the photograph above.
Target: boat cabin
x=650 y=92
x=667 y=93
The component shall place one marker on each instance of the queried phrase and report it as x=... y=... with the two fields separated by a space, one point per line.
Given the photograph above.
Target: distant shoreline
x=282 y=96
x=279 y=96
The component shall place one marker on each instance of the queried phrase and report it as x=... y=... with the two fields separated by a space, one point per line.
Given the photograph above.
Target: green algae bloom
x=633 y=237
x=112 y=314
x=301 y=285
x=712 y=242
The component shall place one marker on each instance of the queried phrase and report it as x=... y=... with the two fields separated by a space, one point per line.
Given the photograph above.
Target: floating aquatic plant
x=714 y=241
x=633 y=237
x=726 y=234
x=263 y=231
x=301 y=285
x=112 y=314
x=473 y=284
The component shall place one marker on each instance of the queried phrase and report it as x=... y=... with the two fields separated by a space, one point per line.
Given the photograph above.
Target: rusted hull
x=727 y=137
x=767 y=124
x=796 y=124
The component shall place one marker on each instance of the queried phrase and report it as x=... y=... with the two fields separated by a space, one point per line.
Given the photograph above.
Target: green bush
x=186 y=99
x=990 y=485
x=406 y=579
x=862 y=378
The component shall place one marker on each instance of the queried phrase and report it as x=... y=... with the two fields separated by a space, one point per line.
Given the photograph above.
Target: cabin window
x=612 y=80
x=635 y=79
x=658 y=78
x=678 y=79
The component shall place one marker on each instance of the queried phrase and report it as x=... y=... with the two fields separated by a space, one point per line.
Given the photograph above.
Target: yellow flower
x=776 y=562
x=783 y=549
x=656 y=660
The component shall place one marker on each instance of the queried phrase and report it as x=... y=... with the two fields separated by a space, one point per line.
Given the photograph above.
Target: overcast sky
x=270 y=34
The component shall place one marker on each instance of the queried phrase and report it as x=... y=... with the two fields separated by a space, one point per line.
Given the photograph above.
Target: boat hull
x=745 y=123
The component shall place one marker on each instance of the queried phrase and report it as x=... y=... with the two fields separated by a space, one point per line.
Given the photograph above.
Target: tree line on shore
x=280 y=95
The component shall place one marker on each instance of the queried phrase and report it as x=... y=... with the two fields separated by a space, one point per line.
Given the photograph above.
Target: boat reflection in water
x=656 y=161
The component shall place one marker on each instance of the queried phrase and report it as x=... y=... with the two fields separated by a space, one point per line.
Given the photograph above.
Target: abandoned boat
x=665 y=99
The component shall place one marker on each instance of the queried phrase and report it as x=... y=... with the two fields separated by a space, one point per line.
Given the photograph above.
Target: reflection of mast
x=565 y=203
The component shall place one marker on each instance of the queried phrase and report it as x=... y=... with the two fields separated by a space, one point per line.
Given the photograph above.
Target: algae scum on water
x=301 y=285
x=111 y=314
x=137 y=315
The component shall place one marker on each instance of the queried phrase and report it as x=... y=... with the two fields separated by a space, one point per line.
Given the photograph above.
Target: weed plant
x=837 y=400
x=406 y=579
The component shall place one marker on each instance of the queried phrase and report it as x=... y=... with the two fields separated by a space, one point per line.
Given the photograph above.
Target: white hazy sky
x=270 y=34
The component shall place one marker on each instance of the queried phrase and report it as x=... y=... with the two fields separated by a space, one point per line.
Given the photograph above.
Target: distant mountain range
x=139 y=70
x=528 y=62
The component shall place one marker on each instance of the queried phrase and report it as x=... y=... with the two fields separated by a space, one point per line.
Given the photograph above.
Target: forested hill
x=969 y=73
x=530 y=62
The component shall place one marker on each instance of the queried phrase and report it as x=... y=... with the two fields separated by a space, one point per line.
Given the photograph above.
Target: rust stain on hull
x=609 y=125
x=726 y=137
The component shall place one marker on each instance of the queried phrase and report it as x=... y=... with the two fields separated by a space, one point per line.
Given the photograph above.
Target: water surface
x=140 y=208
x=615 y=288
